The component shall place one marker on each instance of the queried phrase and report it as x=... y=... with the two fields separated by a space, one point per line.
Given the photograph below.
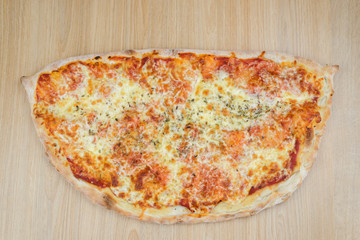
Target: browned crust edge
x=256 y=202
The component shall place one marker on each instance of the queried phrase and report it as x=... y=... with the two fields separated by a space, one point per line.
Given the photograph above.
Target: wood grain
x=37 y=203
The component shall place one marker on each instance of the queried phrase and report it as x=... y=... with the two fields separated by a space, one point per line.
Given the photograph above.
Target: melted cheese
x=179 y=136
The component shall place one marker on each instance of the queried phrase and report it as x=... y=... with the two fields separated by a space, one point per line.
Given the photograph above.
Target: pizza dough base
x=254 y=203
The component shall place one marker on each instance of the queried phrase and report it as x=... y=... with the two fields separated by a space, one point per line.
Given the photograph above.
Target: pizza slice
x=182 y=135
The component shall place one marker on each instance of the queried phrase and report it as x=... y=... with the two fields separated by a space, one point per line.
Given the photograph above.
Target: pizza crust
x=254 y=203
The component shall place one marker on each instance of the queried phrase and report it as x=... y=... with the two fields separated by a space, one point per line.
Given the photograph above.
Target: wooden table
x=37 y=203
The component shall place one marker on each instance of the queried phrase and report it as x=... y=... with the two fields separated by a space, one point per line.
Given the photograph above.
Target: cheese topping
x=195 y=130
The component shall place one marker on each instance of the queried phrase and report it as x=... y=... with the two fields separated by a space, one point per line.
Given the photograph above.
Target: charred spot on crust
x=309 y=136
x=129 y=52
x=97 y=57
x=174 y=52
x=109 y=202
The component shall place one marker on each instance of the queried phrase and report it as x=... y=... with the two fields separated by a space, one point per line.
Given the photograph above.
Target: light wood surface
x=37 y=203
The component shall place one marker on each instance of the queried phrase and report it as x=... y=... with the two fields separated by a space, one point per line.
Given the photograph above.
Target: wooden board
x=37 y=203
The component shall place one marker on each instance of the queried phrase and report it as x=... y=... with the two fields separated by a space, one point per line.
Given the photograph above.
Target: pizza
x=182 y=135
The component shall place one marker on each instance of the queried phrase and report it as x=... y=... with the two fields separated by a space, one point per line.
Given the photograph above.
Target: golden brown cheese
x=192 y=131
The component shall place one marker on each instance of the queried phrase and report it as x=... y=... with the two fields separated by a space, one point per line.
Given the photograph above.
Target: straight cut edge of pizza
x=172 y=135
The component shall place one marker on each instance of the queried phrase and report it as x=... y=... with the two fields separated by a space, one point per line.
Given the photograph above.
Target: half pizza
x=182 y=135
